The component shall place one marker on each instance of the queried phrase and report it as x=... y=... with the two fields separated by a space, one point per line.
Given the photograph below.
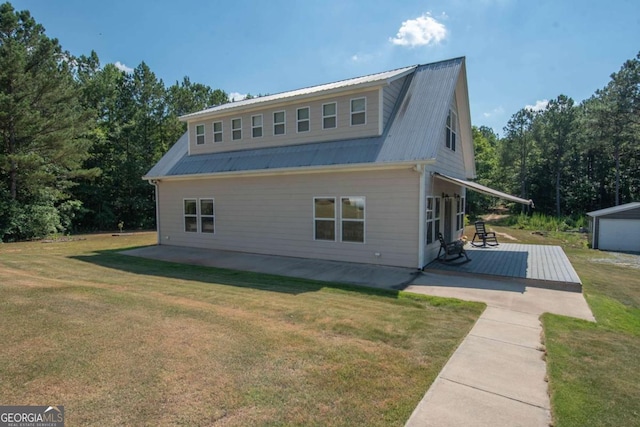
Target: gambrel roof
x=413 y=134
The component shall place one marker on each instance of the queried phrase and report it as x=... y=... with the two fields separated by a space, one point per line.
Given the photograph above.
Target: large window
x=432 y=218
x=352 y=219
x=217 y=131
x=279 y=124
x=329 y=115
x=303 y=119
x=256 y=126
x=358 y=111
x=324 y=218
x=459 y=213
x=199 y=134
x=452 y=130
x=236 y=129
x=199 y=215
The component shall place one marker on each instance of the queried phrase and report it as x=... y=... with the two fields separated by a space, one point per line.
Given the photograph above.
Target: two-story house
x=364 y=170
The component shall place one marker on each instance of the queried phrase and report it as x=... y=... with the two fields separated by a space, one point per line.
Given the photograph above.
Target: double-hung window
x=432 y=218
x=279 y=127
x=324 y=218
x=303 y=119
x=199 y=134
x=451 y=131
x=329 y=115
x=236 y=129
x=256 y=126
x=217 y=131
x=352 y=219
x=358 y=111
x=199 y=215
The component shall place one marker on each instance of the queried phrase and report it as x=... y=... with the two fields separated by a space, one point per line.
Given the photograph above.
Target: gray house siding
x=390 y=97
x=274 y=215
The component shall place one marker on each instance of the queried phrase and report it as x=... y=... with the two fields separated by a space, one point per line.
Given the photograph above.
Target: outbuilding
x=616 y=228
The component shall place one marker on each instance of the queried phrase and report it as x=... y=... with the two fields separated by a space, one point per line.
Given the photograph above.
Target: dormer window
x=329 y=116
x=303 y=119
x=279 y=123
x=358 y=111
x=199 y=134
x=452 y=130
x=256 y=126
x=236 y=129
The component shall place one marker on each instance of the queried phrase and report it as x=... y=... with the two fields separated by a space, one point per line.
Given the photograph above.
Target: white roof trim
x=355 y=83
x=356 y=167
x=615 y=209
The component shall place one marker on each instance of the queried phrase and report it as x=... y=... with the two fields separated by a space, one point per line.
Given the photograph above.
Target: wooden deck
x=539 y=265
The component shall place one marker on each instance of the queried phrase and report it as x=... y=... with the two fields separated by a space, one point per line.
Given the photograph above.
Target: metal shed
x=616 y=228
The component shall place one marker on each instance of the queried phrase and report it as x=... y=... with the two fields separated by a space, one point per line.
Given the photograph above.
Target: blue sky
x=519 y=52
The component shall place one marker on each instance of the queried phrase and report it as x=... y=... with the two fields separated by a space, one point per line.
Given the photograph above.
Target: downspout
x=154 y=182
x=421 y=216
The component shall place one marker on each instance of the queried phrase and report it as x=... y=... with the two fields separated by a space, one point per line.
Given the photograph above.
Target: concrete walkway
x=496 y=377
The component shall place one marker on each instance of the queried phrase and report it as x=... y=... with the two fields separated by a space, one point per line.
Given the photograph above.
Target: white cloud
x=422 y=31
x=237 y=96
x=120 y=66
x=538 y=106
x=495 y=112
x=363 y=57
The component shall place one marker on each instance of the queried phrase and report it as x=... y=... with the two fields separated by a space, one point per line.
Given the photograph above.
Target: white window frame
x=460 y=213
x=334 y=219
x=451 y=130
x=255 y=127
x=201 y=216
x=283 y=123
x=185 y=215
x=363 y=220
x=308 y=120
x=203 y=134
x=358 y=112
x=329 y=116
x=234 y=129
x=216 y=133
x=430 y=223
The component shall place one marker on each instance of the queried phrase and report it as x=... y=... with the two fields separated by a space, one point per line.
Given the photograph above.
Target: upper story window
x=236 y=129
x=256 y=126
x=329 y=115
x=199 y=134
x=452 y=130
x=279 y=127
x=358 y=111
x=303 y=119
x=217 y=131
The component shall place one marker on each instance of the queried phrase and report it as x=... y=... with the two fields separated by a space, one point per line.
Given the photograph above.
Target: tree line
x=568 y=158
x=77 y=136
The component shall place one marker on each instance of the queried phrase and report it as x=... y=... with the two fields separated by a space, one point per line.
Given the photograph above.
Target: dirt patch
x=506 y=236
x=621 y=259
x=494 y=217
x=63 y=240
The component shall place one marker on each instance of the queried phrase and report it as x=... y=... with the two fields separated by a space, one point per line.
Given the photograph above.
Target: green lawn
x=593 y=369
x=120 y=340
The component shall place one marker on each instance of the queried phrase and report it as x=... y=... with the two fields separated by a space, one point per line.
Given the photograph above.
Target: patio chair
x=488 y=238
x=449 y=249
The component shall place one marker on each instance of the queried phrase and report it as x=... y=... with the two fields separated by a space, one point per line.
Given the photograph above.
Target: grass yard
x=120 y=340
x=593 y=369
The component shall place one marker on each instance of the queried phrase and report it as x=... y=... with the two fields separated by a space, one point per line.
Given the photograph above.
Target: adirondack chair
x=488 y=238
x=450 y=249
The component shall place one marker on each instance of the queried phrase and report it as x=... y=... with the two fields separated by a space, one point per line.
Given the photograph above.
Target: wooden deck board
x=536 y=262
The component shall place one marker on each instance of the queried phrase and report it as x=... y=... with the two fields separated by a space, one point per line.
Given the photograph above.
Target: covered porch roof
x=483 y=189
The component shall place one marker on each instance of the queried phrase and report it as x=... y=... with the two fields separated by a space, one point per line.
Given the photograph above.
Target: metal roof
x=413 y=134
x=372 y=79
x=615 y=209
